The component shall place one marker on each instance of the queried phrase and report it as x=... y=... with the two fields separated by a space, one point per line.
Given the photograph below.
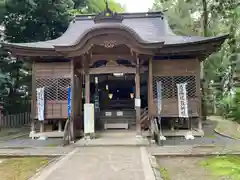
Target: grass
x=6 y=134
x=52 y=145
x=164 y=173
x=223 y=166
x=211 y=136
x=227 y=127
x=21 y=168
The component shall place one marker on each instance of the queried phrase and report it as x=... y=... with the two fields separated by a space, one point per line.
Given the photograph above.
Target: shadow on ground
x=210 y=137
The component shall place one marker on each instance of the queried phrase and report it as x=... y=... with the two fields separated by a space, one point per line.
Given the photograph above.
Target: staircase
x=118 y=119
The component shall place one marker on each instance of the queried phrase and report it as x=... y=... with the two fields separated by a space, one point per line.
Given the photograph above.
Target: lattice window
x=55 y=88
x=169 y=85
x=191 y=84
x=62 y=88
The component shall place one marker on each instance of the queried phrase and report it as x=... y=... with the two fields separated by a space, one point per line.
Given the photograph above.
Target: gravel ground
x=210 y=137
x=184 y=168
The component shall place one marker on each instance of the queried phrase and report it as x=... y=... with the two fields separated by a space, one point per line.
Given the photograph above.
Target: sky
x=135 y=5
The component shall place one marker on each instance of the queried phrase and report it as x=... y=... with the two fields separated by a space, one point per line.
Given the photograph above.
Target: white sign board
x=108 y=113
x=40 y=103
x=182 y=100
x=88 y=118
x=137 y=102
x=119 y=113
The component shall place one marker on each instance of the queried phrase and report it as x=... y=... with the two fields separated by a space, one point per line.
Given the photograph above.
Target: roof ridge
x=125 y=15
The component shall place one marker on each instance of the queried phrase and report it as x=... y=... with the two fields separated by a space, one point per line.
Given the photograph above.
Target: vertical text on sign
x=182 y=100
x=40 y=103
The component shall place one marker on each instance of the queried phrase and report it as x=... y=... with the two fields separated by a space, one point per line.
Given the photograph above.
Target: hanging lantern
x=110 y=95
x=106 y=87
x=132 y=95
x=96 y=80
x=118 y=74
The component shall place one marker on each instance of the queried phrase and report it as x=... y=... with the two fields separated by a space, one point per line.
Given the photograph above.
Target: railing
x=144 y=118
x=67 y=133
x=154 y=126
x=14 y=120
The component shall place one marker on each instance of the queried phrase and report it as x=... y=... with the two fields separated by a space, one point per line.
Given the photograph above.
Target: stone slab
x=114 y=138
x=102 y=163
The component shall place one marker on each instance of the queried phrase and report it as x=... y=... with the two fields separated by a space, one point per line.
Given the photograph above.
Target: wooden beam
x=98 y=57
x=34 y=53
x=115 y=69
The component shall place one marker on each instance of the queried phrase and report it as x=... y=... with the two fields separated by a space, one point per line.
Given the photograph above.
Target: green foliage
x=2 y=10
x=164 y=173
x=31 y=21
x=97 y=6
x=223 y=166
x=180 y=15
x=234 y=110
x=187 y=18
x=34 y=20
x=79 y=4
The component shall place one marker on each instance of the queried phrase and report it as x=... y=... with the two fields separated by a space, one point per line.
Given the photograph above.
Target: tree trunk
x=205 y=18
x=203 y=83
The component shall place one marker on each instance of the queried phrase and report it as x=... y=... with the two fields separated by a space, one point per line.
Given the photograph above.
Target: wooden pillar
x=80 y=99
x=150 y=89
x=76 y=96
x=87 y=81
x=72 y=128
x=34 y=97
x=80 y=94
x=199 y=94
x=59 y=126
x=137 y=100
x=41 y=126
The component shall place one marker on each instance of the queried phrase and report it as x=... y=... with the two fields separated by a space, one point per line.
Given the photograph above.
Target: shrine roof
x=146 y=28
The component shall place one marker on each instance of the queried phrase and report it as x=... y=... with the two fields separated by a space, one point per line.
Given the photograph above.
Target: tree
x=2 y=10
x=209 y=18
x=35 y=20
x=79 y=4
x=97 y=6
x=30 y=21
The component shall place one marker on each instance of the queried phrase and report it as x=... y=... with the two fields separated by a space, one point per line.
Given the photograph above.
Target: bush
x=235 y=107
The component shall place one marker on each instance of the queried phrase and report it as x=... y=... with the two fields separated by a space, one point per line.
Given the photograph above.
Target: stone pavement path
x=101 y=163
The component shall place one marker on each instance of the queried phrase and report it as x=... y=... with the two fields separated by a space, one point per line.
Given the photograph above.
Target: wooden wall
x=55 y=77
x=171 y=72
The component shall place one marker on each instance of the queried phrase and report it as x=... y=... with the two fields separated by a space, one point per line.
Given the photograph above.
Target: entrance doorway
x=115 y=94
